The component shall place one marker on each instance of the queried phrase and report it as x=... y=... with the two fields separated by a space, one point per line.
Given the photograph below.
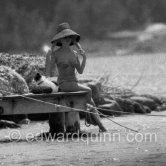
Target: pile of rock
x=119 y=104
x=11 y=82
x=26 y=65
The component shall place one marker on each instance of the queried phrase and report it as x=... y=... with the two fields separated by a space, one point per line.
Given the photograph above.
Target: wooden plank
x=19 y=105
x=50 y=95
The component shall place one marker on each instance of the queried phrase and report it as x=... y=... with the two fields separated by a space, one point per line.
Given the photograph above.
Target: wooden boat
x=61 y=106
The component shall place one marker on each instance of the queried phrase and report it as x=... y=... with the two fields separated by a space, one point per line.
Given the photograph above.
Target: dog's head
x=37 y=77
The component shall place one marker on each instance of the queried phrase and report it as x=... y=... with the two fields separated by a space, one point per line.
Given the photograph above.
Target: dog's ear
x=37 y=77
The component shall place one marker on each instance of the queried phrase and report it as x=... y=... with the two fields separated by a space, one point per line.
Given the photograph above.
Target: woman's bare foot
x=94 y=119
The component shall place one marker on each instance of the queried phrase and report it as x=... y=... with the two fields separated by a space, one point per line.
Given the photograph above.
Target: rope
x=108 y=117
x=130 y=113
x=56 y=105
x=76 y=109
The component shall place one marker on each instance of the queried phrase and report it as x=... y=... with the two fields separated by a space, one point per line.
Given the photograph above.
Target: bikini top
x=67 y=69
x=65 y=64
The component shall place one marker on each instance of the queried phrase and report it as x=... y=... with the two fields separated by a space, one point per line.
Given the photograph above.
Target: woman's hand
x=81 y=51
x=80 y=67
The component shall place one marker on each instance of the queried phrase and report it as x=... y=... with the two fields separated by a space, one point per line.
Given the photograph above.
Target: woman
x=66 y=62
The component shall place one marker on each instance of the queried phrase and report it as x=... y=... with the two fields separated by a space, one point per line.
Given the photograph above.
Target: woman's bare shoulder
x=54 y=53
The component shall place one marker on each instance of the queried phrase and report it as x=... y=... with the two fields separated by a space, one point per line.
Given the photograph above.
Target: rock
x=163 y=107
x=8 y=124
x=96 y=91
x=126 y=105
x=11 y=82
x=147 y=109
x=156 y=99
x=105 y=100
x=138 y=108
x=132 y=106
x=24 y=121
x=14 y=118
x=111 y=109
x=145 y=101
x=163 y=100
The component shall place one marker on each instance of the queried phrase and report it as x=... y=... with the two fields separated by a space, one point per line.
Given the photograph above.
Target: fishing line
x=76 y=109
x=108 y=117
x=61 y=106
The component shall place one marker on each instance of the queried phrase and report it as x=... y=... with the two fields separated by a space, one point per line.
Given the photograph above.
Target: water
x=120 y=146
x=125 y=71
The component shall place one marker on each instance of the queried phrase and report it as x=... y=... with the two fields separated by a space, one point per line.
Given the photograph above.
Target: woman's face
x=66 y=41
x=53 y=45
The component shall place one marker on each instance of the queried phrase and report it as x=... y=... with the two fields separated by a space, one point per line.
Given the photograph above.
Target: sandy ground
x=118 y=147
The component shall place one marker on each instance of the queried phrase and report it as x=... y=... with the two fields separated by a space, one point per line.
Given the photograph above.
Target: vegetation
x=26 y=25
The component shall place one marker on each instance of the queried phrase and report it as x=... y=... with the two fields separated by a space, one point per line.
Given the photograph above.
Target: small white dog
x=42 y=81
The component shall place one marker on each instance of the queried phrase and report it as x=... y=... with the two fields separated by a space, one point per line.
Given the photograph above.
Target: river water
x=143 y=73
x=117 y=147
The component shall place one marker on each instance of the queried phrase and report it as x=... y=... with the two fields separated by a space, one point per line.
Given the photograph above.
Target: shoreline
x=93 y=153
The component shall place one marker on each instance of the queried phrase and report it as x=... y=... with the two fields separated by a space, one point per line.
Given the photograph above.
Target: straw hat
x=64 y=30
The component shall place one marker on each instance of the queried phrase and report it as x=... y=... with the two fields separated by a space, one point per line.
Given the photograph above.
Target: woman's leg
x=73 y=87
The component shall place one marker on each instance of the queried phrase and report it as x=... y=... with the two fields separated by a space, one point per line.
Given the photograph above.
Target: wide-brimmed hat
x=64 y=30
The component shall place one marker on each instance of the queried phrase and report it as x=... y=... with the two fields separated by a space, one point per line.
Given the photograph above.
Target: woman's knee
x=87 y=89
x=89 y=93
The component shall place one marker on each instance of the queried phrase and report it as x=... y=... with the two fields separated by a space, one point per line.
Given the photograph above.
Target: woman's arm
x=50 y=65
x=80 y=67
